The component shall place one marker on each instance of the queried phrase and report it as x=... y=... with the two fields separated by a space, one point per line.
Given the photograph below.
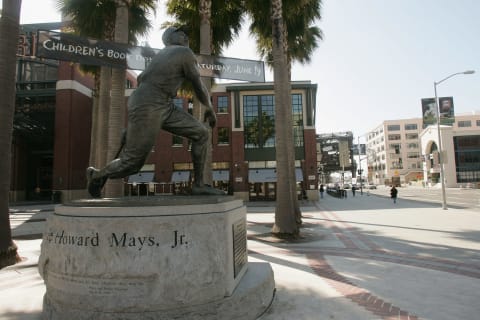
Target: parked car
x=371 y=186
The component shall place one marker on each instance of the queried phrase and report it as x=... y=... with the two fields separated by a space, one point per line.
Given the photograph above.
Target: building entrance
x=263 y=191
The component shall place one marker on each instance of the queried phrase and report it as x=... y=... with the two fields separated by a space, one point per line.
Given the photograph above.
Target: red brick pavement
x=354 y=246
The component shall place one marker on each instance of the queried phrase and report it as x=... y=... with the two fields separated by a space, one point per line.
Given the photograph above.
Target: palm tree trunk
x=103 y=116
x=293 y=176
x=95 y=125
x=285 y=214
x=114 y=188
x=9 y=28
x=205 y=8
x=99 y=131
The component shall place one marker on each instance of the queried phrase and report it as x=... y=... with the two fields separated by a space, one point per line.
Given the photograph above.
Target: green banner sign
x=446 y=112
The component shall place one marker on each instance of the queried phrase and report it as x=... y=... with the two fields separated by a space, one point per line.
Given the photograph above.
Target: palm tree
x=225 y=24
x=9 y=29
x=116 y=114
x=97 y=19
x=205 y=13
x=215 y=32
x=285 y=219
x=300 y=41
x=299 y=17
x=297 y=44
x=94 y=19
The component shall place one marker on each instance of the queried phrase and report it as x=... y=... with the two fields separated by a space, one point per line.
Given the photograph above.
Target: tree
x=116 y=114
x=205 y=13
x=225 y=24
x=97 y=19
x=299 y=36
x=299 y=18
x=9 y=29
x=285 y=212
x=298 y=44
x=214 y=34
x=94 y=19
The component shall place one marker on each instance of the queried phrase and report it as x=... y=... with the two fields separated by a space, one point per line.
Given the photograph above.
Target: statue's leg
x=143 y=125
x=184 y=124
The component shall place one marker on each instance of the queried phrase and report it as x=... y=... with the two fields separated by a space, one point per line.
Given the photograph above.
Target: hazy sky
x=377 y=60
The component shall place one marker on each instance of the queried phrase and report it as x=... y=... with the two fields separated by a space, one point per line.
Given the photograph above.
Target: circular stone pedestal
x=151 y=258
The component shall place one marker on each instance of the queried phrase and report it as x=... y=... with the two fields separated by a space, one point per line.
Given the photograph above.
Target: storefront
x=263 y=184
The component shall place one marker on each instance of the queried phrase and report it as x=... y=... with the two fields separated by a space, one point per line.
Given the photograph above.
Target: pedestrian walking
x=353 y=190
x=322 y=190
x=393 y=194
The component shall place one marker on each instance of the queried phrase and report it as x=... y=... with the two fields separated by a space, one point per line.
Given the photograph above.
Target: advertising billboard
x=429 y=112
x=447 y=115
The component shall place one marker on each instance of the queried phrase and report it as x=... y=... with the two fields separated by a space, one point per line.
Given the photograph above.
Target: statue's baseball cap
x=171 y=30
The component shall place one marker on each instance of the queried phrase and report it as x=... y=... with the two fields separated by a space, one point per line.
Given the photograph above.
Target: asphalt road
x=455 y=197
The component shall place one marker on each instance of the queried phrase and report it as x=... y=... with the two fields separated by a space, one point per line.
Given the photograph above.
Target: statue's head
x=175 y=36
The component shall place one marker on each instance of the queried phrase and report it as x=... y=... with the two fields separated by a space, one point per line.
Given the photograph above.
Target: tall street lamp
x=440 y=160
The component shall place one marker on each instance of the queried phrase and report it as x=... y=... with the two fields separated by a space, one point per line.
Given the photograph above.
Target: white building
x=460 y=152
x=394 y=153
x=400 y=151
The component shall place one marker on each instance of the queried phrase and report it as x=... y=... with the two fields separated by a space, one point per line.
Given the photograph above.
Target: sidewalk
x=359 y=258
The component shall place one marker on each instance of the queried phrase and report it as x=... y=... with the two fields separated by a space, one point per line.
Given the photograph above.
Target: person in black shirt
x=393 y=194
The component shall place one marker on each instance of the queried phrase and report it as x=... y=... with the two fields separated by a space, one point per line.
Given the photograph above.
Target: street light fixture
x=440 y=152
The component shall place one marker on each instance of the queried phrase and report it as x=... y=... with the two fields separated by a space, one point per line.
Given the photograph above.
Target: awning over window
x=262 y=175
x=221 y=175
x=181 y=176
x=141 y=177
x=269 y=175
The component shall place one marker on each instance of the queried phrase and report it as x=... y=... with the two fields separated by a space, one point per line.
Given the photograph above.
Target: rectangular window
x=177 y=141
x=410 y=136
x=268 y=121
x=411 y=126
x=223 y=136
x=412 y=145
x=221 y=165
x=395 y=146
x=222 y=104
x=394 y=137
x=467 y=158
x=478 y=123
x=393 y=127
x=397 y=164
x=183 y=166
x=259 y=121
x=464 y=124
x=413 y=155
x=297 y=116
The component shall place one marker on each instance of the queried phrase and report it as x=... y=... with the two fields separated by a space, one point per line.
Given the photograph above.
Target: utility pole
x=344 y=157
x=359 y=166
